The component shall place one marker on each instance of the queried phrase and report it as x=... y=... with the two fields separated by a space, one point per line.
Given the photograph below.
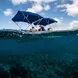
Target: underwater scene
x=38 y=38
x=54 y=57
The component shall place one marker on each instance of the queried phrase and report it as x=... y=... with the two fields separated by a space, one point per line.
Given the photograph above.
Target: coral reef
x=37 y=66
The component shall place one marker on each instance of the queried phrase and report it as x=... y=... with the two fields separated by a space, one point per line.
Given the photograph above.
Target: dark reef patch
x=37 y=66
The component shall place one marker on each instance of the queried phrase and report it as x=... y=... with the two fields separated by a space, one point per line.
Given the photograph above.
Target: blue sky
x=64 y=11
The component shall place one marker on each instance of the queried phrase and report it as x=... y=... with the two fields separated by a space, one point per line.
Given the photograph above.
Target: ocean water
x=65 y=47
x=40 y=55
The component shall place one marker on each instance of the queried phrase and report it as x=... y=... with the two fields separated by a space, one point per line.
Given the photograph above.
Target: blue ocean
x=54 y=57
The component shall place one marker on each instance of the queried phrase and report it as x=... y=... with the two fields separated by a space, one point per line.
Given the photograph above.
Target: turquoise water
x=52 y=57
x=61 y=47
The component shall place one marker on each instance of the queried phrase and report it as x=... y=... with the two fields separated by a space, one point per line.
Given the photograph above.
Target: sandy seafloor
x=55 y=57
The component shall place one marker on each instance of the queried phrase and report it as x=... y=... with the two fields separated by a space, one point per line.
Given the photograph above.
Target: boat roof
x=29 y=17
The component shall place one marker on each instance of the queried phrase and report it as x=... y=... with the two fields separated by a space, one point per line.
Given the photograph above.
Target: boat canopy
x=45 y=21
x=32 y=18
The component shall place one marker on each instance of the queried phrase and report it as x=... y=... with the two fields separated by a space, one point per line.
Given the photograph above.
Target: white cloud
x=71 y=9
x=8 y=12
x=36 y=1
x=48 y=1
x=42 y=1
x=75 y=2
x=37 y=5
x=59 y=25
x=40 y=5
x=47 y=7
x=17 y=2
x=38 y=8
x=73 y=25
x=35 y=8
